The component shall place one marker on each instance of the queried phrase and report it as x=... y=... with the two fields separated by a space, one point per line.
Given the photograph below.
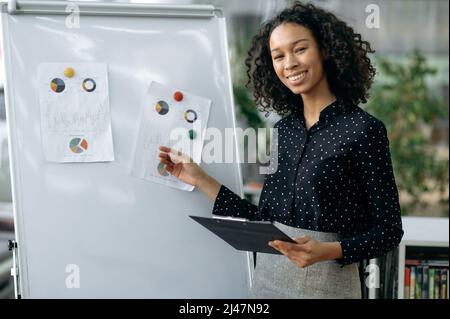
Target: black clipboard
x=245 y=235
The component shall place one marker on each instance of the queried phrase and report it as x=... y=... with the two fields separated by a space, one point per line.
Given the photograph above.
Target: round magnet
x=89 y=85
x=178 y=96
x=162 y=107
x=192 y=134
x=57 y=85
x=69 y=72
x=190 y=116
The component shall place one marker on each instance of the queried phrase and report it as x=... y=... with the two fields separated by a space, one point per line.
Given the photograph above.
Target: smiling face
x=297 y=59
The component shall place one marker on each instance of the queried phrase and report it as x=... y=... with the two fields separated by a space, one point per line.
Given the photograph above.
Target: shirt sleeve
x=380 y=195
x=230 y=204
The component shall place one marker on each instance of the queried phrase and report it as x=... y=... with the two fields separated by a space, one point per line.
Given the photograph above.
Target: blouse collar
x=327 y=114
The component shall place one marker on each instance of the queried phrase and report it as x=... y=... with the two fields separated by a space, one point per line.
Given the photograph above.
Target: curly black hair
x=347 y=66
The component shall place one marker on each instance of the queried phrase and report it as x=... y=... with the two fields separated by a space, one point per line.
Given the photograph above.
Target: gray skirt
x=275 y=276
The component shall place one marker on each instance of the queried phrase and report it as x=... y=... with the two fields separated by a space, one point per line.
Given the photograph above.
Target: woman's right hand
x=186 y=170
x=181 y=166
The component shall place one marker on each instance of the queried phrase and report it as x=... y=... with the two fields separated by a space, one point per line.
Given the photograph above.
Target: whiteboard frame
x=113 y=9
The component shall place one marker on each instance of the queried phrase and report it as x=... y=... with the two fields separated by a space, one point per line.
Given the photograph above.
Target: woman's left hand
x=308 y=251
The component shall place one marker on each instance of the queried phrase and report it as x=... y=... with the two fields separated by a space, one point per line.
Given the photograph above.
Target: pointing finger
x=165 y=149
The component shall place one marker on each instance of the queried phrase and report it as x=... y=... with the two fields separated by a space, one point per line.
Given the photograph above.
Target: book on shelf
x=412 y=289
x=437 y=283
x=423 y=281
x=419 y=278
x=444 y=275
x=431 y=272
x=407 y=282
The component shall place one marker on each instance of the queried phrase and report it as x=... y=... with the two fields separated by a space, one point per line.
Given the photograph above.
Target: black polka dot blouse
x=335 y=177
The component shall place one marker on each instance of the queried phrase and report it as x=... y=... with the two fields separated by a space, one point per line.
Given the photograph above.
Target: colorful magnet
x=57 y=85
x=162 y=107
x=69 y=72
x=192 y=134
x=178 y=96
x=89 y=85
x=190 y=116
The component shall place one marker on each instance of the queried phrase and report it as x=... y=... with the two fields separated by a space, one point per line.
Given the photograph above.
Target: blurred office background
x=410 y=96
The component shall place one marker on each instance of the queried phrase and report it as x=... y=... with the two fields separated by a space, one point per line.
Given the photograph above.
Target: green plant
x=404 y=103
x=246 y=107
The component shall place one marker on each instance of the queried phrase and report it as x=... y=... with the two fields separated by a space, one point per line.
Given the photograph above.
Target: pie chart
x=89 y=85
x=162 y=107
x=78 y=145
x=57 y=85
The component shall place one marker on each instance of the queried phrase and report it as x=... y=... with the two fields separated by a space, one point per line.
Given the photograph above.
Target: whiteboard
x=128 y=238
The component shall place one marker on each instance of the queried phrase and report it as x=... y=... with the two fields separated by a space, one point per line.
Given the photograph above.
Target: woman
x=334 y=189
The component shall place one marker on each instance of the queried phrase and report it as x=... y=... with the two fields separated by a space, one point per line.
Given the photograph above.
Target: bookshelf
x=424 y=238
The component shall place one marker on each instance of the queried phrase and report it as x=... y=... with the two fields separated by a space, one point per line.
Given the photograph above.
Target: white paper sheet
x=75 y=113
x=167 y=122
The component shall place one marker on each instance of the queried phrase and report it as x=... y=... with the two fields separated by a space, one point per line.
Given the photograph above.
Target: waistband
x=295 y=232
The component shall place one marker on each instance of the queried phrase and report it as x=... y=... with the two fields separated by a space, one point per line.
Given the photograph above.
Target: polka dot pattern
x=335 y=177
